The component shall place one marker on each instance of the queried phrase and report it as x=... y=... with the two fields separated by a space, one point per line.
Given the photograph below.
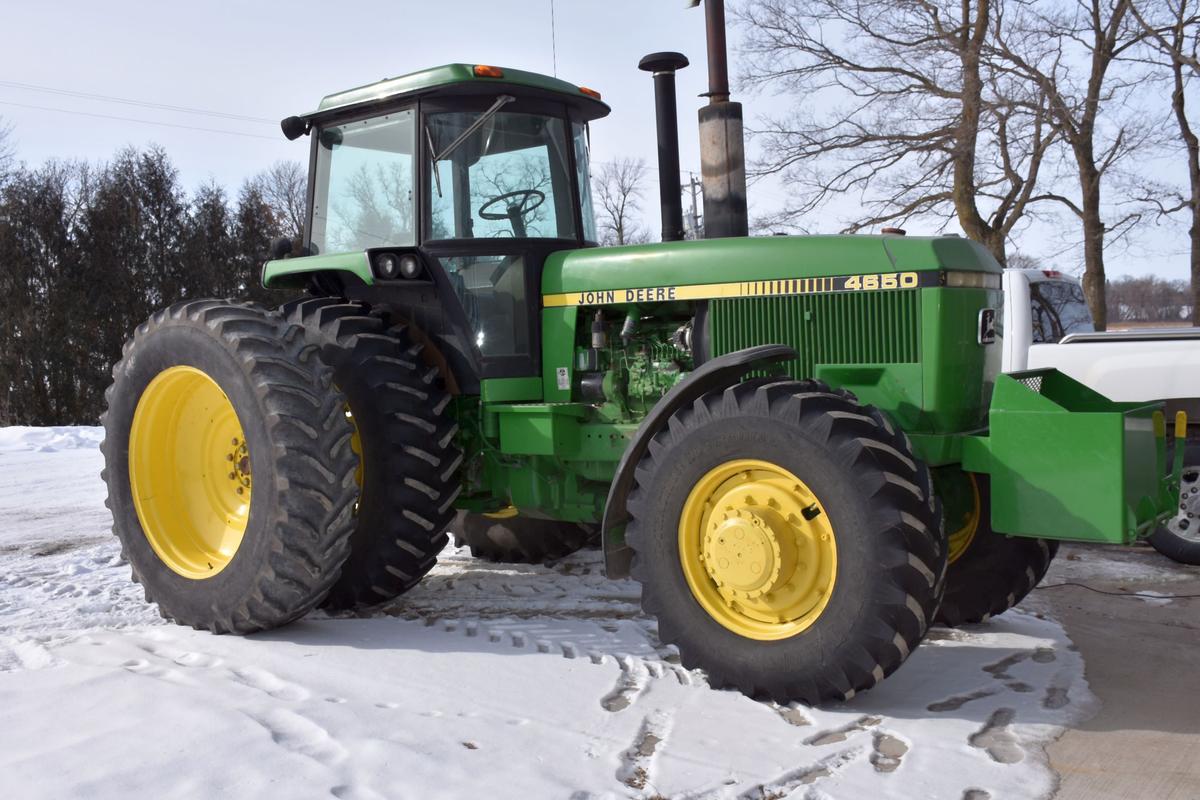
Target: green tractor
x=800 y=447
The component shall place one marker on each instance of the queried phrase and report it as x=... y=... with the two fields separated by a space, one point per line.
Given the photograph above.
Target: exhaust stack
x=664 y=66
x=722 y=143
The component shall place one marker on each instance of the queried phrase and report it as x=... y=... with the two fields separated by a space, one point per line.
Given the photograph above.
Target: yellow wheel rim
x=189 y=470
x=757 y=549
x=508 y=512
x=961 y=539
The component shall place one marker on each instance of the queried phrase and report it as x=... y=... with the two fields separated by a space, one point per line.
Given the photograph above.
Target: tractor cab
x=443 y=192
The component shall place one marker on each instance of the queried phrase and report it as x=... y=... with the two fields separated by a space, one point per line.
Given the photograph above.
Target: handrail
x=1160 y=334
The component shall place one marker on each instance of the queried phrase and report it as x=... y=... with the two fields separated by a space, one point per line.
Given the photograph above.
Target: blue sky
x=269 y=59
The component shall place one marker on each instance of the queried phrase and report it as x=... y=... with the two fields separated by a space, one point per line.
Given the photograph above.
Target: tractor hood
x=774 y=258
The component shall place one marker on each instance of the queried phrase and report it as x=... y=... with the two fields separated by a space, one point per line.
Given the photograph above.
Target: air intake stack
x=663 y=66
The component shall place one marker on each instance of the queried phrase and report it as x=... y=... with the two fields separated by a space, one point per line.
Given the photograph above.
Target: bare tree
x=7 y=151
x=921 y=125
x=1148 y=299
x=618 y=187
x=1172 y=28
x=1048 y=46
x=1019 y=260
x=284 y=187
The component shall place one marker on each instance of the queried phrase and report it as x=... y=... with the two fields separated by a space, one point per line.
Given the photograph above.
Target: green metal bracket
x=1067 y=463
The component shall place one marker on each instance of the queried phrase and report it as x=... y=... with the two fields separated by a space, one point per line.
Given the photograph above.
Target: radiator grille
x=836 y=328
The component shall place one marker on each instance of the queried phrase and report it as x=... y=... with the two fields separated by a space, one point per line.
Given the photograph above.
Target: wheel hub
x=743 y=553
x=757 y=549
x=239 y=456
x=1186 y=524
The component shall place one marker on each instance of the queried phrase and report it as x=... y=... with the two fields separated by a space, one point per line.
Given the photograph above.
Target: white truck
x=1046 y=323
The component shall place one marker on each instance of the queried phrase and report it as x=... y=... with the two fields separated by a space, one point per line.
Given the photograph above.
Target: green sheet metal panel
x=539 y=429
x=1066 y=463
x=956 y=384
x=510 y=390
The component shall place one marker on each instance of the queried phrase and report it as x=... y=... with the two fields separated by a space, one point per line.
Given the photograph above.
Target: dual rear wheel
x=260 y=464
x=229 y=468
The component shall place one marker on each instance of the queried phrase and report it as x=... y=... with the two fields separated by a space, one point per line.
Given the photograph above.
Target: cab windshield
x=509 y=178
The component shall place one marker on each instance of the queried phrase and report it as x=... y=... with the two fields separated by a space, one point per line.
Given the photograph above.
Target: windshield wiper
x=500 y=103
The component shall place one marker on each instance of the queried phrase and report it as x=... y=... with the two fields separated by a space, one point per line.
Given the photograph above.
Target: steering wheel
x=519 y=204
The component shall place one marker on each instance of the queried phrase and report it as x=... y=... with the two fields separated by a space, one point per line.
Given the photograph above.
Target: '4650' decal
x=887 y=280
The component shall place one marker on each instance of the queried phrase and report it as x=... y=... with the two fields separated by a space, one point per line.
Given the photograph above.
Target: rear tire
x=1179 y=539
x=518 y=540
x=405 y=438
x=994 y=572
x=815 y=446
x=289 y=465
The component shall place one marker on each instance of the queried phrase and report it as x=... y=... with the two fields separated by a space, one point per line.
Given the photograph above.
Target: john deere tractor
x=800 y=447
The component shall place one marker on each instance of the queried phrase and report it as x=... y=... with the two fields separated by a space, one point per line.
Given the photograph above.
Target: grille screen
x=834 y=328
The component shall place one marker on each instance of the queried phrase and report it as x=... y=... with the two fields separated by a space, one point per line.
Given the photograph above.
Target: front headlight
x=959 y=279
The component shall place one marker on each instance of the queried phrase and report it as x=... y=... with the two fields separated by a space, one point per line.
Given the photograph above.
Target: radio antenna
x=553 y=40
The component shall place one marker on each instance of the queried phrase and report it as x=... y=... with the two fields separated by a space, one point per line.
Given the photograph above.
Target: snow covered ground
x=485 y=681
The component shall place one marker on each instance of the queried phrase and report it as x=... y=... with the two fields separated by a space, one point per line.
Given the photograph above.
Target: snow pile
x=1119 y=565
x=49 y=440
x=485 y=681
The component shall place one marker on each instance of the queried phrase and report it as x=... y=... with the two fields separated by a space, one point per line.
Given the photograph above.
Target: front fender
x=717 y=373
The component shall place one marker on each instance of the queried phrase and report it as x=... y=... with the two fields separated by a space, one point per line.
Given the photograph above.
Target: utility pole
x=693 y=222
x=722 y=144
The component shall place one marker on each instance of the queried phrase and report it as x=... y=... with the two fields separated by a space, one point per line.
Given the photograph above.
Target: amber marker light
x=484 y=71
x=590 y=92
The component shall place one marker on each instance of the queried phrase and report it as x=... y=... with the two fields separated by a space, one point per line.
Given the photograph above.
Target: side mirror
x=293 y=128
x=282 y=248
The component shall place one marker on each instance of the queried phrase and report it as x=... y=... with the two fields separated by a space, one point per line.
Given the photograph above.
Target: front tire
x=787 y=541
x=229 y=468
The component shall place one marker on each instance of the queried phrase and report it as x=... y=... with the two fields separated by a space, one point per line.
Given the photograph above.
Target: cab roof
x=460 y=76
